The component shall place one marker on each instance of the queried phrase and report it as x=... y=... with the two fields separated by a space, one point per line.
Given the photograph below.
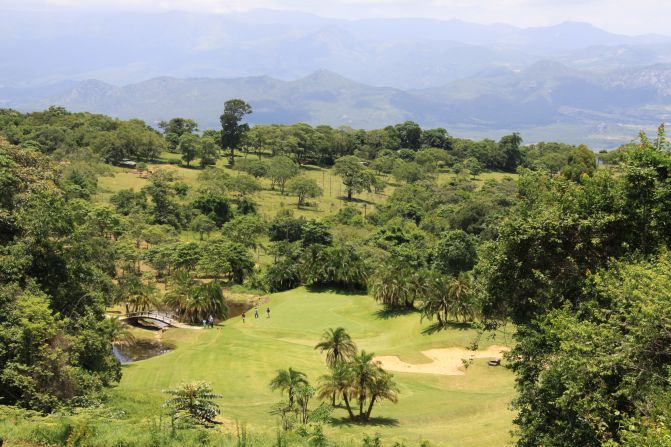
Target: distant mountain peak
x=327 y=77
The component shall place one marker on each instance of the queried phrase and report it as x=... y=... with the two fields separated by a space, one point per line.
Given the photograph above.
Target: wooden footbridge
x=162 y=317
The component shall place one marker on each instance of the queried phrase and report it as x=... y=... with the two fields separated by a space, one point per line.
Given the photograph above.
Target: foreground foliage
x=55 y=283
x=193 y=402
x=582 y=269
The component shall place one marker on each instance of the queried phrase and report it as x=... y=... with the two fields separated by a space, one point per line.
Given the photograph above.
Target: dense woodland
x=573 y=255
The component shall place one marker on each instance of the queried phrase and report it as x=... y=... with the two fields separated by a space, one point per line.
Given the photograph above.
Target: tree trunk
x=232 y=157
x=333 y=398
x=370 y=407
x=349 y=409
x=361 y=399
x=349 y=195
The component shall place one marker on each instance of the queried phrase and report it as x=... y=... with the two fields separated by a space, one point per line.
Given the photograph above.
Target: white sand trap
x=447 y=361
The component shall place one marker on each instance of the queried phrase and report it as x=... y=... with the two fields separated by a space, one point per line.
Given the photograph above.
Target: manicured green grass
x=239 y=360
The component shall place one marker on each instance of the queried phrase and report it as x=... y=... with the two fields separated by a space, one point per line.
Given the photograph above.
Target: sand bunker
x=447 y=361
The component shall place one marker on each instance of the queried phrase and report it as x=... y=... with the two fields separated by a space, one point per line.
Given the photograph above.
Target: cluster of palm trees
x=443 y=297
x=353 y=375
x=194 y=301
x=449 y=297
x=354 y=379
x=138 y=294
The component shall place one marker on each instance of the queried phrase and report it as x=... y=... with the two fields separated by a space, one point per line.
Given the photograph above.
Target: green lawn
x=240 y=359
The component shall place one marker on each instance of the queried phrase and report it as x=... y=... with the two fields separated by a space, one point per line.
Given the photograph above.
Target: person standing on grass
x=268 y=312
x=243 y=317
x=211 y=319
x=256 y=311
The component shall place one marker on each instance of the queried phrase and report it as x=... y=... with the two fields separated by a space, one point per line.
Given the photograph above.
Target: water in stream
x=140 y=350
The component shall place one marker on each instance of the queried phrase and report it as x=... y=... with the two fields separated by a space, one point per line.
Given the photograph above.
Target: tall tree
x=304 y=188
x=581 y=161
x=370 y=384
x=355 y=176
x=510 y=146
x=280 y=170
x=208 y=152
x=339 y=348
x=577 y=268
x=338 y=383
x=175 y=128
x=338 y=345
x=232 y=131
x=287 y=380
x=455 y=252
x=188 y=146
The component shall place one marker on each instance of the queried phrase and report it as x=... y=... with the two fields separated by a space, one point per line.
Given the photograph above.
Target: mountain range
x=548 y=99
x=570 y=81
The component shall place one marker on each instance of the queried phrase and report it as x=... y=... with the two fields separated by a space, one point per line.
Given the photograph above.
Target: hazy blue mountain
x=322 y=97
x=570 y=81
x=125 y=48
x=547 y=100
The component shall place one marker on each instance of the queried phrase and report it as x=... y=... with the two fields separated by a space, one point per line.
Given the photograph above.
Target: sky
x=619 y=16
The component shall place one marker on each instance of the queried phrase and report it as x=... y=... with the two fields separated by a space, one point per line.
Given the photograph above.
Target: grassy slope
x=272 y=201
x=240 y=359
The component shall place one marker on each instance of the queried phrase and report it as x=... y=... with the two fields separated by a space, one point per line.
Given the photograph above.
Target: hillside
x=547 y=101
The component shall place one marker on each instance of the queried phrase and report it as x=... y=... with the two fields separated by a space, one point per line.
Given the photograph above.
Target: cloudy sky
x=622 y=16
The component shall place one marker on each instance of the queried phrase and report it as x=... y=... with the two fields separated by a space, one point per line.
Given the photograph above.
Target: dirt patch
x=446 y=361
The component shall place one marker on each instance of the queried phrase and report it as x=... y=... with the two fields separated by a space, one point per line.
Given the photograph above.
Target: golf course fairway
x=239 y=360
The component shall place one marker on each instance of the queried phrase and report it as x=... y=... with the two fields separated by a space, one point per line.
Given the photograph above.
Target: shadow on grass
x=311 y=168
x=354 y=200
x=437 y=327
x=388 y=313
x=334 y=289
x=372 y=422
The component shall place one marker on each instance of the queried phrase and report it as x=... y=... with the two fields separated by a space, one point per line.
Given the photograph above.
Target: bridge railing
x=165 y=317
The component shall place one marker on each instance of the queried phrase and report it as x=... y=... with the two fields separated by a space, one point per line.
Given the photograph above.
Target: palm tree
x=370 y=383
x=363 y=373
x=388 y=285
x=287 y=380
x=209 y=299
x=194 y=301
x=396 y=285
x=143 y=297
x=338 y=383
x=179 y=288
x=118 y=332
x=194 y=399
x=338 y=346
x=461 y=298
x=436 y=300
x=381 y=387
